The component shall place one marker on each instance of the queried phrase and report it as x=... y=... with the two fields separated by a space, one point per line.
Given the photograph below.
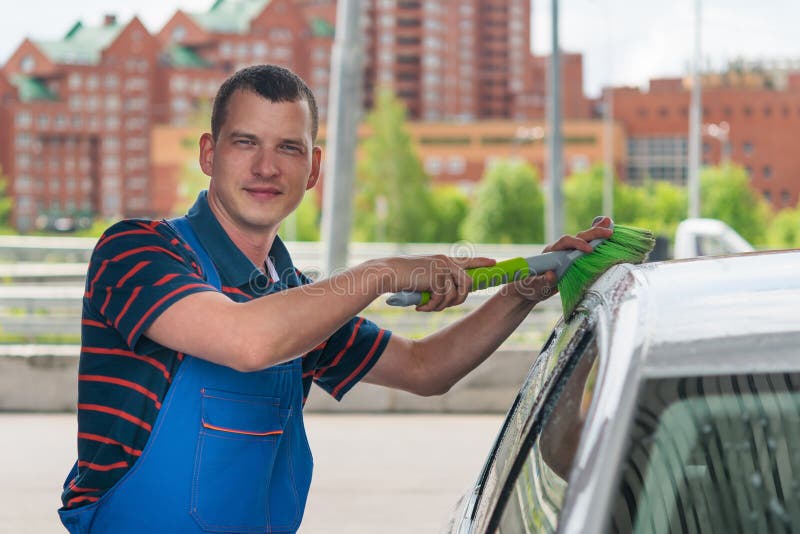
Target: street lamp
x=720 y=132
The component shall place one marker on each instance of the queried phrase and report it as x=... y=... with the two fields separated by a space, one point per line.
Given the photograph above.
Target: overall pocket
x=234 y=460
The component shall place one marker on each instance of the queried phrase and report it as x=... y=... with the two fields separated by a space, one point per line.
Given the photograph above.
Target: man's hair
x=276 y=84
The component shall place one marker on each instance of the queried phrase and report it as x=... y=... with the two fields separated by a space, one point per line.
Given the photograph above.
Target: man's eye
x=292 y=148
x=244 y=142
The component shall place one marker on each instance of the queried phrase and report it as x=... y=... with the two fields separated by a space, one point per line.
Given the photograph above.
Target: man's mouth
x=263 y=192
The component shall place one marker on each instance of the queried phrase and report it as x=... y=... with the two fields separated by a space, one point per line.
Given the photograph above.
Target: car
x=668 y=402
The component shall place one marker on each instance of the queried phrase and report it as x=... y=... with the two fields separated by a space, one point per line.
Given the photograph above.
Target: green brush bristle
x=626 y=245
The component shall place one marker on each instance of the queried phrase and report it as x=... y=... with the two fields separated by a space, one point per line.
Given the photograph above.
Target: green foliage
x=658 y=206
x=661 y=207
x=95 y=230
x=5 y=202
x=726 y=195
x=393 y=200
x=784 y=231
x=450 y=207
x=303 y=223
x=191 y=181
x=508 y=206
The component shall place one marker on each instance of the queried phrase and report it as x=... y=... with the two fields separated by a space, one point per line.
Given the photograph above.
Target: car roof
x=702 y=313
x=728 y=315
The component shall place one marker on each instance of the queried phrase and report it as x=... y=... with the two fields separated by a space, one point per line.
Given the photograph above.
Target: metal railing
x=42 y=283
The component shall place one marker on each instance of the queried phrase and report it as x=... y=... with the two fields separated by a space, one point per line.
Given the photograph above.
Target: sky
x=624 y=42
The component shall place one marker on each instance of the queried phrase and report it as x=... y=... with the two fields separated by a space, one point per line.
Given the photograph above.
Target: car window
x=537 y=493
x=713 y=454
x=549 y=364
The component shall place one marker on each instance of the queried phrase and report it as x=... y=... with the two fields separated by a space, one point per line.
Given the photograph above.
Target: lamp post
x=720 y=132
x=695 y=119
x=554 y=223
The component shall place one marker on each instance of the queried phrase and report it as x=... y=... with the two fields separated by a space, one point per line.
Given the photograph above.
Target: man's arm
x=432 y=365
x=266 y=331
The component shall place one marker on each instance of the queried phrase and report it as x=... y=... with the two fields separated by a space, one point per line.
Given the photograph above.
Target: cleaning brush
x=575 y=270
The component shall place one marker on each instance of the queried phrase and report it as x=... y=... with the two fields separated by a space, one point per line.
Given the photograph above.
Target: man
x=200 y=339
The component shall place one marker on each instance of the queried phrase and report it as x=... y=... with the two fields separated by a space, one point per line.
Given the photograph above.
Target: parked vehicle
x=707 y=237
x=668 y=402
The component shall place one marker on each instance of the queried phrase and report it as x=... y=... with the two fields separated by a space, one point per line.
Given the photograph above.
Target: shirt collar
x=234 y=267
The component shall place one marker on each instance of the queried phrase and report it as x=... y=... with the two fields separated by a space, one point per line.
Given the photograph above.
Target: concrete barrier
x=44 y=378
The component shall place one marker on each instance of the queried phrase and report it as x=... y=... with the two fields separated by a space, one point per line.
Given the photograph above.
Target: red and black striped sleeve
x=348 y=355
x=139 y=269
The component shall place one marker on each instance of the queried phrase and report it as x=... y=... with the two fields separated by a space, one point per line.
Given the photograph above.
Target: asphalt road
x=373 y=473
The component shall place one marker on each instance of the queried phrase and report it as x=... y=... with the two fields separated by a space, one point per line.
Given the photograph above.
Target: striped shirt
x=138 y=269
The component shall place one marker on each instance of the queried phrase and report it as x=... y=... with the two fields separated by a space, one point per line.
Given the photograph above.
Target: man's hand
x=539 y=288
x=443 y=276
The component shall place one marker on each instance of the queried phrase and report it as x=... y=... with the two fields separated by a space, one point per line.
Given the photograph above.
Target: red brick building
x=762 y=113
x=77 y=113
x=76 y=116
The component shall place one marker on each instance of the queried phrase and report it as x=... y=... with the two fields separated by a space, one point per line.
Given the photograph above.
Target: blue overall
x=228 y=452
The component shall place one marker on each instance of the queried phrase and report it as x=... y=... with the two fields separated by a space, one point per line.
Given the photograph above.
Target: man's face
x=262 y=163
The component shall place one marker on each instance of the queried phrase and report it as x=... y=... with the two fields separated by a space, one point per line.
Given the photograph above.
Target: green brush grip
x=498 y=274
x=482 y=277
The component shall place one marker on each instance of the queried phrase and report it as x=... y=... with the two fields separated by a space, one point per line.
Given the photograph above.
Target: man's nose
x=265 y=163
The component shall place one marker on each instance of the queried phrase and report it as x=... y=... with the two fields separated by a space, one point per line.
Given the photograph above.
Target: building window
x=112 y=102
x=260 y=50
x=76 y=121
x=136 y=143
x=178 y=33
x=74 y=81
x=28 y=63
x=456 y=165
x=22 y=183
x=23 y=160
x=767 y=111
x=766 y=171
x=225 y=49
x=92 y=103
x=433 y=165
x=111 y=81
x=24 y=119
x=786 y=198
x=111 y=143
x=280 y=34
x=75 y=102
x=111 y=163
x=747 y=148
x=767 y=195
x=92 y=82
x=112 y=122
x=178 y=84
x=282 y=52
x=135 y=84
x=43 y=120
x=61 y=121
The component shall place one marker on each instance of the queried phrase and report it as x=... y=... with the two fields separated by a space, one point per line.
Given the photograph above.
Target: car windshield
x=713 y=454
x=537 y=494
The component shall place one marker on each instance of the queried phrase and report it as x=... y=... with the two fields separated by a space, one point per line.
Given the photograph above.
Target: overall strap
x=184 y=229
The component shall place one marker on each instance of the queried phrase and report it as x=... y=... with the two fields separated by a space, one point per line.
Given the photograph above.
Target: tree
x=6 y=203
x=393 y=200
x=784 y=231
x=450 y=207
x=657 y=205
x=508 y=206
x=303 y=223
x=725 y=194
x=191 y=181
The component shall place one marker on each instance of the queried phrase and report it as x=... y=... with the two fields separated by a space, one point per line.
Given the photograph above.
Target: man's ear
x=207 y=153
x=316 y=162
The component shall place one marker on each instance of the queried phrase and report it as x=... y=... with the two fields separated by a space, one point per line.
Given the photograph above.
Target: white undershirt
x=272 y=272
